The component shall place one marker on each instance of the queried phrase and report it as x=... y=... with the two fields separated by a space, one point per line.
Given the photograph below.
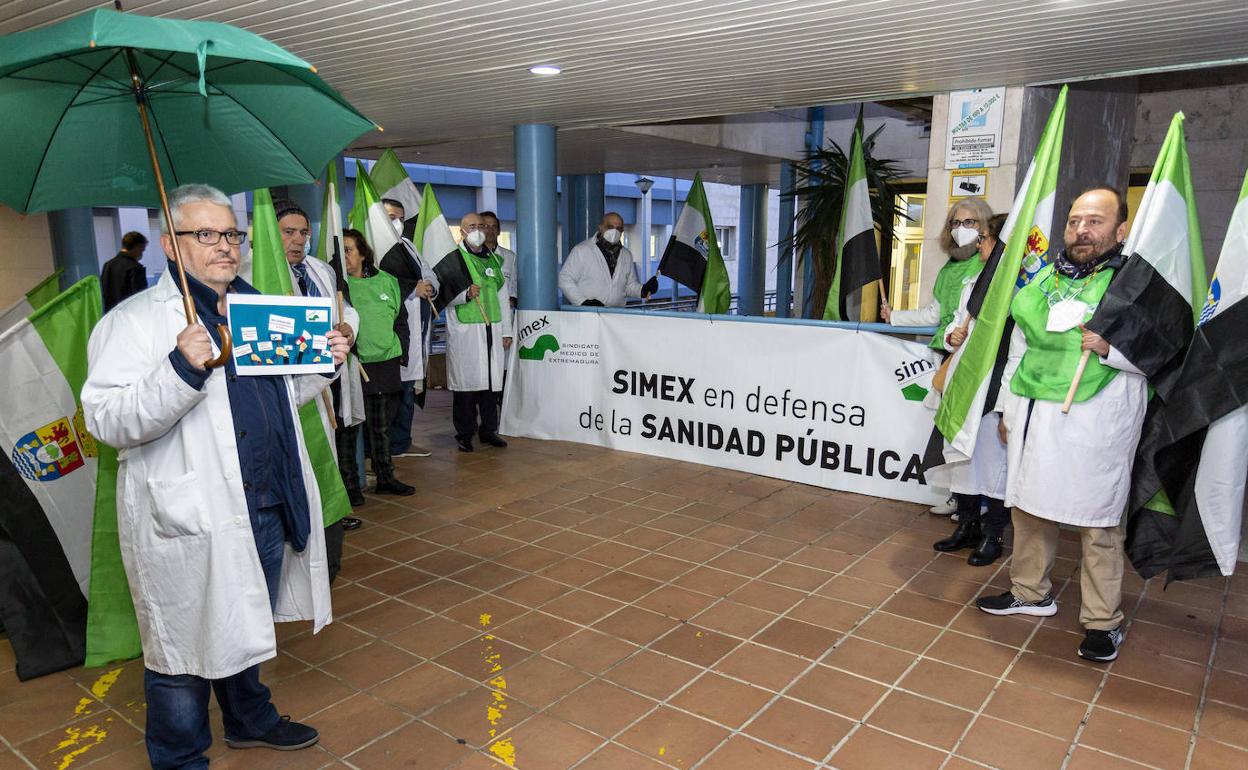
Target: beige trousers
x=1100 y=573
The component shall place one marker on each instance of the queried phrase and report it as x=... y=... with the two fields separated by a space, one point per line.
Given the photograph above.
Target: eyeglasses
x=470 y=228
x=971 y=223
x=213 y=237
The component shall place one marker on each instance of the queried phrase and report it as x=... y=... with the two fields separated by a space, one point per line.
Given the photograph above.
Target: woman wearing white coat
x=981 y=479
x=206 y=590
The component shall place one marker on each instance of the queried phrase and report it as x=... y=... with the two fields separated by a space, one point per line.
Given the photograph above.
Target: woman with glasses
x=959 y=239
x=381 y=346
x=978 y=485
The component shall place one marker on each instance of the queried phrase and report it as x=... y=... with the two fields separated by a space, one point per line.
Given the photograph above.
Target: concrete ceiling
x=447 y=79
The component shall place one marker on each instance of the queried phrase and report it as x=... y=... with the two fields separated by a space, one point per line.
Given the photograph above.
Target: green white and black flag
x=1194 y=447
x=1026 y=234
x=857 y=258
x=48 y=472
x=368 y=215
x=692 y=256
x=437 y=247
x=1149 y=310
x=392 y=183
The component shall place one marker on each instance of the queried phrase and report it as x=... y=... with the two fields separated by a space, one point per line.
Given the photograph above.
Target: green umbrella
x=215 y=104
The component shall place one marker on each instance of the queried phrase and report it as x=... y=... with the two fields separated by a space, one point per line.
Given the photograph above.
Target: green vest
x=1048 y=366
x=377 y=300
x=489 y=276
x=948 y=290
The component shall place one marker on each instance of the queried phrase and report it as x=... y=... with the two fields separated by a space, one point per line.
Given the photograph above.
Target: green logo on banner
x=540 y=347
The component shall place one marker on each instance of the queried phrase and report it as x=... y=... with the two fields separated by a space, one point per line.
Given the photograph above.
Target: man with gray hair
x=218 y=513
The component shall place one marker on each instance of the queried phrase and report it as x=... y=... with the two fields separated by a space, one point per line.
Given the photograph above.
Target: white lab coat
x=509 y=273
x=186 y=540
x=352 y=391
x=584 y=276
x=418 y=335
x=471 y=364
x=928 y=315
x=1073 y=468
x=985 y=472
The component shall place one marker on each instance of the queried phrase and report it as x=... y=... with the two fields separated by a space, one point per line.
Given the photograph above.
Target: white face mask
x=611 y=236
x=474 y=239
x=964 y=236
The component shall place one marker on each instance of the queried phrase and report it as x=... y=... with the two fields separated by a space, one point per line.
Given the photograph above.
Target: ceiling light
x=545 y=69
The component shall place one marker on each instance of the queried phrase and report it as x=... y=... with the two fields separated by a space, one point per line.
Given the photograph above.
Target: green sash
x=489 y=276
x=1048 y=367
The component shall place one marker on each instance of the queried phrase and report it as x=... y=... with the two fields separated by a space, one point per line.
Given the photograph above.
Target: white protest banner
x=829 y=407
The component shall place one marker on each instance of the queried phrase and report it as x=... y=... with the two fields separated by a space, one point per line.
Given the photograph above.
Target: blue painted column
x=535 y=217
x=784 y=260
x=586 y=200
x=814 y=141
x=752 y=249
x=73 y=244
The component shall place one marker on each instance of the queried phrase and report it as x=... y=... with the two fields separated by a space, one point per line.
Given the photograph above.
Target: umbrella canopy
x=226 y=108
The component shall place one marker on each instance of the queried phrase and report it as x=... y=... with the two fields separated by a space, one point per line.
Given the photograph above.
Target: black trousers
x=379 y=412
x=344 y=439
x=464 y=409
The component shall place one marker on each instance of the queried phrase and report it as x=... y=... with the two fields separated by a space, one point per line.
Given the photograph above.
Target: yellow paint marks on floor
x=84 y=706
x=662 y=750
x=78 y=741
x=497 y=709
x=105 y=683
x=504 y=751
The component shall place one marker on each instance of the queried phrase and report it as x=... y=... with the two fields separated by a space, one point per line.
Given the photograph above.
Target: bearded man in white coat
x=1072 y=469
x=478 y=332
x=598 y=272
x=218 y=513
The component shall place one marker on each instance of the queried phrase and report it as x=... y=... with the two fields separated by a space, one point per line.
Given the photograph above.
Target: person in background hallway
x=599 y=271
x=478 y=332
x=314 y=278
x=382 y=348
x=124 y=275
x=959 y=238
x=418 y=285
x=493 y=229
x=982 y=478
x=218 y=513
x=1074 y=468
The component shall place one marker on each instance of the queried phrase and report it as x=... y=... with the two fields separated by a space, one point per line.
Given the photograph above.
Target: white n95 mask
x=964 y=236
x=611 y=236
x=474 y=239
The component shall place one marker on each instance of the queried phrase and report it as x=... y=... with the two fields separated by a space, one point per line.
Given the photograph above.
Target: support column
x=814 y=142
x=487 y=194
x=73 y=244
x=586 y=196
x=535 y=216
x=752 y=249
x=784 y=262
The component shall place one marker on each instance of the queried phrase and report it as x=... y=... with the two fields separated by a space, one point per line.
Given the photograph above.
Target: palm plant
x=820 y=183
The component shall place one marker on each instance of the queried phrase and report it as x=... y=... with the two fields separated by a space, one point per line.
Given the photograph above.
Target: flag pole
x=1074 y=384
x=188 y=304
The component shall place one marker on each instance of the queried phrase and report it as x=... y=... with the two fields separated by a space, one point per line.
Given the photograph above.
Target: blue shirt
x=268 y=450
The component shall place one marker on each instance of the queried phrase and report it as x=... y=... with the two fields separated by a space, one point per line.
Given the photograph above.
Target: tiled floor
x=574 y=607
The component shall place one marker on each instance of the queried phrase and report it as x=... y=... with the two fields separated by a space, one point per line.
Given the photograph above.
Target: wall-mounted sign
x=967 y=182
x=973 y=138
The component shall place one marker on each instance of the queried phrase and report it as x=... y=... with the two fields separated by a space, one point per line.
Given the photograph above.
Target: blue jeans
x=178 y=732
x=401 y=425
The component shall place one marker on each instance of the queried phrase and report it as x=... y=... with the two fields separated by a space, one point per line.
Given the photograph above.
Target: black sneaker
x=1100 y=646
x=393 y=487
x=1008 y=604
x=284 y=736
x=493 y=439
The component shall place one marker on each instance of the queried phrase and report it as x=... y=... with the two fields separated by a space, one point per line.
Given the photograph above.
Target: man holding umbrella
x=219 y=517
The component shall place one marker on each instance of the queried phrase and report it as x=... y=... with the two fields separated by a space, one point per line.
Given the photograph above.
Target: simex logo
x=907 y=375
x=540 y=347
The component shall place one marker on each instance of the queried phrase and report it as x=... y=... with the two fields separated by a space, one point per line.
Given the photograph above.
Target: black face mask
x=1075 y=270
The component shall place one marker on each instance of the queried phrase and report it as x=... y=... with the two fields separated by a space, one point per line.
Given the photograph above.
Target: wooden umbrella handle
x=1074 y=384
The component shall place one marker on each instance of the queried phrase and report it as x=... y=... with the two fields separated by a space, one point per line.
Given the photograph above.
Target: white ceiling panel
x=436 y=74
